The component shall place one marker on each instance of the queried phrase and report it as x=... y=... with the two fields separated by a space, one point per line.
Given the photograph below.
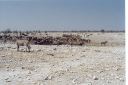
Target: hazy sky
x=62 y=14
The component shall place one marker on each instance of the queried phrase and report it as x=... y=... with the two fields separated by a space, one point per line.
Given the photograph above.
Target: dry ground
x=64 y=64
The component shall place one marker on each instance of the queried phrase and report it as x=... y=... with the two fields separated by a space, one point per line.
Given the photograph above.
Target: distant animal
x=104 y=43
x=23 y=43
x=4 y=38
x=87 y=40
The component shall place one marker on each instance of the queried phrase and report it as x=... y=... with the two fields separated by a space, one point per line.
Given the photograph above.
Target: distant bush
x=7 y=31
x=102 y=30
x=15 y=31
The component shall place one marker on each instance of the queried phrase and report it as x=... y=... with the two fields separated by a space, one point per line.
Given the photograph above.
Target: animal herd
x=65 y=39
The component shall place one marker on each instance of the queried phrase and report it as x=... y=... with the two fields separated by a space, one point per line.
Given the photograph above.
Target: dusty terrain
x=64 y=64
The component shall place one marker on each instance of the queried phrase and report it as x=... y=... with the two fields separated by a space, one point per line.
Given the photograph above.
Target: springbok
x=23 y=43
x=104 y=43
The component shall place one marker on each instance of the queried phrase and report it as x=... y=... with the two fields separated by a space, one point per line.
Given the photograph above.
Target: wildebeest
x=104 y=43
x=86 y=40
x=26 y=43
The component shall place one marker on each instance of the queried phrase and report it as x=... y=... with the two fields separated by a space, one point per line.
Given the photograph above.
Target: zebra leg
x=26 y=48
x=29 y=48
x=17 y=47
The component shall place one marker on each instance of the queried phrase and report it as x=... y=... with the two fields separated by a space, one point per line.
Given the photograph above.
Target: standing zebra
x=24 y=43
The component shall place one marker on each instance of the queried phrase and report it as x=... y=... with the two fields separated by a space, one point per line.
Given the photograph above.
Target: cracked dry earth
x=62 y=65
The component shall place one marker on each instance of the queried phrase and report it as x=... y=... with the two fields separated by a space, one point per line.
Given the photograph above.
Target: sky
x=62 y=15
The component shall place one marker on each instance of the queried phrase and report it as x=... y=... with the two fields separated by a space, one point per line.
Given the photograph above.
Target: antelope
x=104 y=43
x=23 y=43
